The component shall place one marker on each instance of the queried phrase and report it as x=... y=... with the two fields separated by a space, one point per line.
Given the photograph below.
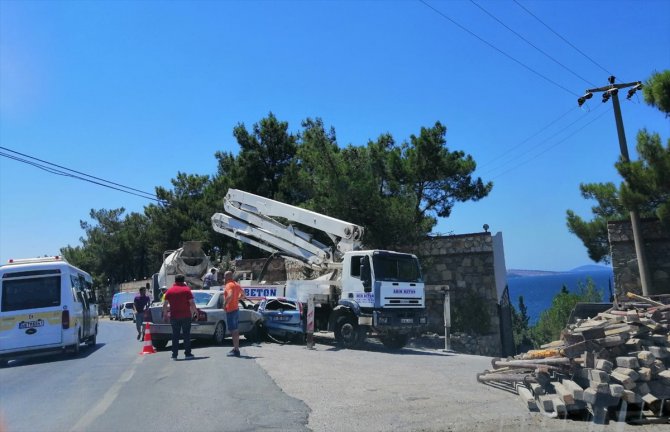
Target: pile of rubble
x=615 y=365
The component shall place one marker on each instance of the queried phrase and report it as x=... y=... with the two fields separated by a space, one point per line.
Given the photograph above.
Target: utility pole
x=612 y=91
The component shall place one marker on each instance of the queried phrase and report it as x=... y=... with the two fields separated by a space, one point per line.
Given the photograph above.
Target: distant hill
x=591 y=268
x=514 y=273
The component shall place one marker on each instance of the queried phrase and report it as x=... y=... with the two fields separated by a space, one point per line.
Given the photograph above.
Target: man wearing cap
x=140 y=304
x=180 y=305
x=210 y=279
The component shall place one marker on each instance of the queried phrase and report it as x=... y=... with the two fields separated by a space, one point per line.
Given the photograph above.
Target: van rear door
x=30 y=309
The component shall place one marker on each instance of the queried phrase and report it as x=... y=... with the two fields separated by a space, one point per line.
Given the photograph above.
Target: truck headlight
x=423 y=320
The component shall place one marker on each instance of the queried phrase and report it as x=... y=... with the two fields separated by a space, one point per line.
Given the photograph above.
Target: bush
x=470 y=314
x=553 y=320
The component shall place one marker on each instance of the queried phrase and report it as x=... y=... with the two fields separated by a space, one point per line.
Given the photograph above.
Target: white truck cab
x=46 y=305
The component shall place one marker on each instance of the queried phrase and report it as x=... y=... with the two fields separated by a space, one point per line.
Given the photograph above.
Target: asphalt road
x=272 y=387
x=113 y=388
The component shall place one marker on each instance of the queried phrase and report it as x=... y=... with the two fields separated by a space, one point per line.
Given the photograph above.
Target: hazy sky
x=136 y=91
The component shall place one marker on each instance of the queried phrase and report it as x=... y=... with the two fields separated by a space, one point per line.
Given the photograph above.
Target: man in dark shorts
x=180 y=305
x=140 y=304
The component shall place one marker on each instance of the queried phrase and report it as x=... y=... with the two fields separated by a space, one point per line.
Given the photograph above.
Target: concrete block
x=616 y=390
x=645 y=358
x=627 y=362
x=564 y=393
x=627 y=371
x=645 y=374
x=624 y=379
x=527 y=397
x=604 y=365
x=575 y=389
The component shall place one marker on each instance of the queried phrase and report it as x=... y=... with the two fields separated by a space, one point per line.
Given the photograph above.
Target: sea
x=538 y=288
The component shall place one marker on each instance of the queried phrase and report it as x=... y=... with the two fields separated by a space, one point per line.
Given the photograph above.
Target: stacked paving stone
x=615 y=365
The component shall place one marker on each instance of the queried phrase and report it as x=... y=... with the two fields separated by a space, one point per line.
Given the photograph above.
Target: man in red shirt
x=232 y=295
x=181 y=307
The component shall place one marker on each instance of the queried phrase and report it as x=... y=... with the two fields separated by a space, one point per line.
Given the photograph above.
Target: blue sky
x=134 y=92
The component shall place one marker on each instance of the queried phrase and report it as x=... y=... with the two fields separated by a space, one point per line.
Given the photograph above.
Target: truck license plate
x=406 y=320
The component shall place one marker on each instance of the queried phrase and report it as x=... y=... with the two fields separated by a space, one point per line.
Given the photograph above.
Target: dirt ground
x=420 y=388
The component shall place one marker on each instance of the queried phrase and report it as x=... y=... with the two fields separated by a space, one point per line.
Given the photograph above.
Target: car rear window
x=201 y=298
x=32 y=293
x=280 y=305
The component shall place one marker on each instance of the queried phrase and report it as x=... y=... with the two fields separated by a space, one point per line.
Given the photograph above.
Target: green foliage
x=594 y=233
x=470 y=313
x=646 y=187
x=395 y=192
x=521 y=328
x=656 y=91
x=553 y=320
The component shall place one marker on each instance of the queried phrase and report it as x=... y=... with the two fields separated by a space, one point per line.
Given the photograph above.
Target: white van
x=46 y=305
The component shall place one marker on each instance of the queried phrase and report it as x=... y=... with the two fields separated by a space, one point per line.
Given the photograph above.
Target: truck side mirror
x=366 y=276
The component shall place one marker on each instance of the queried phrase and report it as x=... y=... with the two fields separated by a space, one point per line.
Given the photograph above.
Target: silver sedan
x=210 y=323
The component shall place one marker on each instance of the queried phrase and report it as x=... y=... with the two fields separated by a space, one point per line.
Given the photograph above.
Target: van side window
x=356 y=266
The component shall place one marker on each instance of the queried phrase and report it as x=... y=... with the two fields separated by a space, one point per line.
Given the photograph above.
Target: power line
x=547 y=126
x=67 y=172
x=551 y=147
x=443 y=15
x=531 y=44
x=561 y=37
x=537 y=146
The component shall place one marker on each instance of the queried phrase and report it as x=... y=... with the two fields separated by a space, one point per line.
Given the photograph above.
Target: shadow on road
x=84 y=352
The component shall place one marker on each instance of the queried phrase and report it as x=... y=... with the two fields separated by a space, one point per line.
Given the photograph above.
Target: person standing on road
x=180 y=305
x=210 y=279
x=140 y=304
x=232 y=295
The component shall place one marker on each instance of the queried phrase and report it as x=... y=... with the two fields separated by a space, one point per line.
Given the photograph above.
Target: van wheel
x=93 y=340
x=219 y=333
x=76 y=347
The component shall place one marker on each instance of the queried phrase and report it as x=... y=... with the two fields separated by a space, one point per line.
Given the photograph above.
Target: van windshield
x=33 y=293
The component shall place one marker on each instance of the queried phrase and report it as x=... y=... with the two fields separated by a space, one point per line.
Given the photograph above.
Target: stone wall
x=624 y=258
x=465 y=263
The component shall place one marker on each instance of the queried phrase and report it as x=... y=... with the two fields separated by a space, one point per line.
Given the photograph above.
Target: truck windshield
x=396 y=268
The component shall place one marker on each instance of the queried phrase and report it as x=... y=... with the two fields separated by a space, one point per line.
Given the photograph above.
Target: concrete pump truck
x=359 y=292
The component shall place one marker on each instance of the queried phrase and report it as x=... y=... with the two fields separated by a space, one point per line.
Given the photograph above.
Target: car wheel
x=4 y=363
x=257 y=334
x=394 y=341
x=159 y=344
x=347 y=332
x=219 y=333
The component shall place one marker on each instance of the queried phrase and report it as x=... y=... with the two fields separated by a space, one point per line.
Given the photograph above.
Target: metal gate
x=506 y=328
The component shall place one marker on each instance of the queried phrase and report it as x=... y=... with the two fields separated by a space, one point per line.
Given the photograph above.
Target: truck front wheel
x=347 y=332
x=394 y=341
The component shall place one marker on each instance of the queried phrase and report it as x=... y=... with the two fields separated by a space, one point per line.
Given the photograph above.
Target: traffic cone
x=148 y=346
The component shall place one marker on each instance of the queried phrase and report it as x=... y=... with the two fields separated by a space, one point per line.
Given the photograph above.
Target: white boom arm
x=250 y=219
